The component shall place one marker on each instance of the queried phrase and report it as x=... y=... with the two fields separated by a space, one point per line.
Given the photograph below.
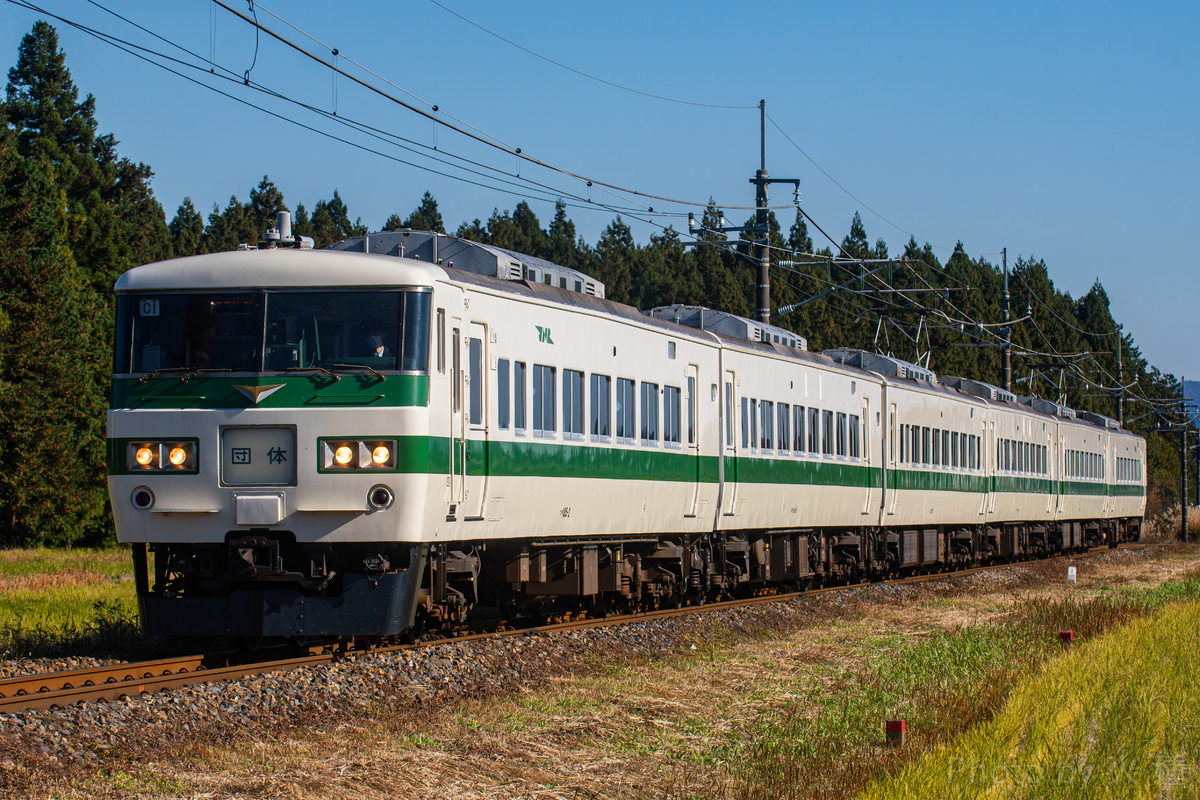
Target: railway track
x=59 y=689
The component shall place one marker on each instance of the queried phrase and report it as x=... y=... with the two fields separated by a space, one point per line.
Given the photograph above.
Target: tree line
x=75 y=214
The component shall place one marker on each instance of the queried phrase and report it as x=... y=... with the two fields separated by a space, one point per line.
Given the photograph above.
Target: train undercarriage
x=554 y=579
x=264 y=584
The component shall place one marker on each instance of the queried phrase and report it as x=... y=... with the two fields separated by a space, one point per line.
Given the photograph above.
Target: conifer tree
x=52 y=469
x=426 y=216
x=114 y=222
x=187 y=230
x=616 y=252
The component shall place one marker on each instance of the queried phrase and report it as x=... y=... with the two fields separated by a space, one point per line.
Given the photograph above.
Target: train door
x=691 y=433
x=893 y=461
x=1060 y=463
x=475 y=444
x=990 y=459
x=981 y=464
x=458 y=442
x=729 y=449
x=1046 y=482
x=865 y=447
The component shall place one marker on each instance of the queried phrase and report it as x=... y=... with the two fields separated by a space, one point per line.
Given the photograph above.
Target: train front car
x=267 y=438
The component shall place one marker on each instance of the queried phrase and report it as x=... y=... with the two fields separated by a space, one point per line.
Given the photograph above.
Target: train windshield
x=273 y=331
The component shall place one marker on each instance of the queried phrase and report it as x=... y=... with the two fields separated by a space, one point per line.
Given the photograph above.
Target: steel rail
x=64 y=688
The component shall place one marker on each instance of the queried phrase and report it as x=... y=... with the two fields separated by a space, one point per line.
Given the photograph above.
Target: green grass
x=1119 y=717
x=828 y=743
x=66 y=602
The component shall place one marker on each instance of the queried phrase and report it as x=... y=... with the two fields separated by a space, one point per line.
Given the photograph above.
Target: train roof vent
x=884 y=365
x=731 y=325
x=1098 y=419
x=481 y=259
x=1047 y=407
x=979 y=389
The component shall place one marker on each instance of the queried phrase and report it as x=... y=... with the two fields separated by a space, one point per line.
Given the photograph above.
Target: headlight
x=149 y=456
x=351 y=455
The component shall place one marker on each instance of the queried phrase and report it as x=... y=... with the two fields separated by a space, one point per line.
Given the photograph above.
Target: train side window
x=572 y=404
x=625 y=410
x=841 y=433
x=768 y=425
x=649 y=413
x=827 y=433
x=544 y=423
x=915 y=454
x=672 y=407
x=753 y=424
x=502 y=393
x=854 y=435
x=456 y=368
x=945 y=448
x=784 y=418
x=970 y=452
x=475 y=379
x=798 y=429
x=954 y=448
x=601 y=413
x=814 y=429
x=745 y=423
x=441 y=341
x=519 y=396
x=728 y=413
x=924 y=445
x=937 y=447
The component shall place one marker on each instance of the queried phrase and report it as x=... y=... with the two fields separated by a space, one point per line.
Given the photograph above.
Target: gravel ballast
x=134 y=731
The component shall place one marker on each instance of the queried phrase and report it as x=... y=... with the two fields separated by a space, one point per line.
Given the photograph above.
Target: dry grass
x=694 y=726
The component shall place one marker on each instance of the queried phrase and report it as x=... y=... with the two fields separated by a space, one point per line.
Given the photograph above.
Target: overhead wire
x=581 y=73
x=132 y=49
x=548 y=194
x=486 y=140
x=526 y=184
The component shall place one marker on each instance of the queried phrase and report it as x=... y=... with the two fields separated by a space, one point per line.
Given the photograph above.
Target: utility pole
x=1120 y=379
x=1007 y=327
x=762 y=219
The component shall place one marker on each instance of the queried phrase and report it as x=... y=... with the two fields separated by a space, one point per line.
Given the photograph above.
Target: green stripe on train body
x=806 y=472
x=937 y=481
x=294 y=391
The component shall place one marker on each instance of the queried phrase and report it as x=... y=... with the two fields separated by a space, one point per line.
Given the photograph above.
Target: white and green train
x=410 y=427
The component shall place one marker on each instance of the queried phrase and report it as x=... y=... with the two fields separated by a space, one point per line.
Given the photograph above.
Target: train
x=410 y=430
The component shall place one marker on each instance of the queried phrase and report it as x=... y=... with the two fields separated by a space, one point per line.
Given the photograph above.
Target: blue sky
x=1067 y=130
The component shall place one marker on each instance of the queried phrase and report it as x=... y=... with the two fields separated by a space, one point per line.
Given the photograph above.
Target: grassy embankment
x=66 y=602
x=1118 y=717
x=802 y=717
x=791 y=712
